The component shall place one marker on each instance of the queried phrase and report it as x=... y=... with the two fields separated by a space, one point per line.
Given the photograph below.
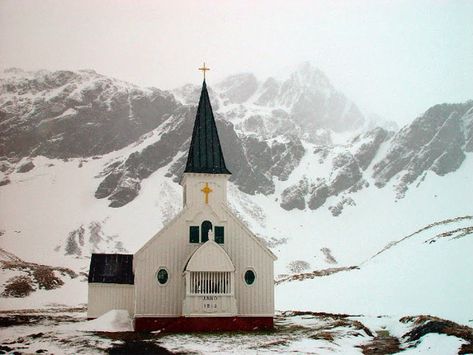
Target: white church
x=205 y=270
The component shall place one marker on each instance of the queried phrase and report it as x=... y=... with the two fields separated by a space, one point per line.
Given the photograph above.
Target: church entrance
x=210 y=282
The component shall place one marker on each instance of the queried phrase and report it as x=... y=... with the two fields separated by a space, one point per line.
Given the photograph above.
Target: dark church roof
x=111 y=268
x=205 y=152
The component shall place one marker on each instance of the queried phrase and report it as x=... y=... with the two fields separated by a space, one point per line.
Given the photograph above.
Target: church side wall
x=169 y=251
x=105 y=297
x=256 y=299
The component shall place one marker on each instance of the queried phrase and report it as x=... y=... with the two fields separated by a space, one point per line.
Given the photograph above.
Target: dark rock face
x=347 y=173
x=294 y=196
x=319 y=195
x=372 y=140
x=468 y=120
x=435 y=141
x=242 y=156
x=25 y=167
x=252 y=162
x=274 y=159
x=75 y=114
x=337 y=209
x=123 y=182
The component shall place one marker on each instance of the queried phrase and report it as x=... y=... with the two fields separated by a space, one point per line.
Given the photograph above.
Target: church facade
x=205 y=270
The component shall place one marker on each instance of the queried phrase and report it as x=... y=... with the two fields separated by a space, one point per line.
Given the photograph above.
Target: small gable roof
x=111 y=268
x=210 y=257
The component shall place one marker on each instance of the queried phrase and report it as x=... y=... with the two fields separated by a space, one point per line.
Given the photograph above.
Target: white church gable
x=204 y=264
x=210 y=257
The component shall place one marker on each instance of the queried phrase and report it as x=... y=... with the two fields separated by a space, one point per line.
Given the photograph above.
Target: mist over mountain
x=267 y=128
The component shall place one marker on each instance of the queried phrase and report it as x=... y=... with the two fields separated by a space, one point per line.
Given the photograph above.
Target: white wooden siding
x=256 y=299
x=171 y=249
x=105 y=297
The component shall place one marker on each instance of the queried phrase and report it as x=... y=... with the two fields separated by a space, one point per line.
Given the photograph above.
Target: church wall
x=246 y=253
x=172 y=249
x=105 y=297
x=257 y=299
x=169 y=250
x=193 y=184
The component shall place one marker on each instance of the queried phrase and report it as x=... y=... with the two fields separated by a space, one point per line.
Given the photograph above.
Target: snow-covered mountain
x=90 y=163
x=304 y=103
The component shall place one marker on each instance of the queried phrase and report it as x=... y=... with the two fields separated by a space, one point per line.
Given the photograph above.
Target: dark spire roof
x=205 y=153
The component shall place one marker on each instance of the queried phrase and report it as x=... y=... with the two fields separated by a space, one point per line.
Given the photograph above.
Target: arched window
x=206 y=226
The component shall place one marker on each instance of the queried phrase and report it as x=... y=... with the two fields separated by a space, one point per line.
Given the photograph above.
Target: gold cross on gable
x=204 y=69
x=206 y=190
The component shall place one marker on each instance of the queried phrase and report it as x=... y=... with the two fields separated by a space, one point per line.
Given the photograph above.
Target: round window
x=162 y=276
x=250 y=277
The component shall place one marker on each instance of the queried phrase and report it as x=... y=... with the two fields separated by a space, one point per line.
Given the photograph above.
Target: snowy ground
x=66 y=331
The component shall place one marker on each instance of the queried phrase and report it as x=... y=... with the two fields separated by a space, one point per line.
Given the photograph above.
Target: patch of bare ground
x=46 y=310
x=317 y=314
x=18 y=286
x=135 y=343
x=425 y=324
x=138 y=347
x=36 y=276
x=330 y=326
x=314 y=274
x=13 y=319
x=382 y=343
x=456 y=233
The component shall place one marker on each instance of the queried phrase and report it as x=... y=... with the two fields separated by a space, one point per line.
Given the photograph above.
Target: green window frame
x=219 y=235
x=194 y=234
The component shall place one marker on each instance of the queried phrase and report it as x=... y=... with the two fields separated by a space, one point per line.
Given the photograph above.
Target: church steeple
x=205 y=153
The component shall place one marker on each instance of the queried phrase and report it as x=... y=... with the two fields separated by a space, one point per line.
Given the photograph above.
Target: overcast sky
x=394 y=58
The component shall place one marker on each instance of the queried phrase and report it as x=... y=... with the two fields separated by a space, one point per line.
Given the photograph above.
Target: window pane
x=194 y=234
x=219 y=235
x=250 y=277
x=206 y=226
x=163 y=276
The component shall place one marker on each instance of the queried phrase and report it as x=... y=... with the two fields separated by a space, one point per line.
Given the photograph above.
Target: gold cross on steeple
x=204 y=69
x=206 y=190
